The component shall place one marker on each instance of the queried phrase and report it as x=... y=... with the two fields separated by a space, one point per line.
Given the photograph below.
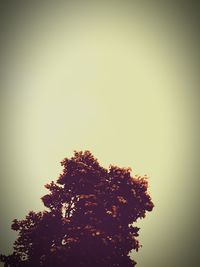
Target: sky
x=119 y=80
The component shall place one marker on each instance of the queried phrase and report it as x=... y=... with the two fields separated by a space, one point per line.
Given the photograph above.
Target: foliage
x=88 y=220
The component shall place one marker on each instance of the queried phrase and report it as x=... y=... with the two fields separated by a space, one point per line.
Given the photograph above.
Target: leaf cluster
x=88 y=219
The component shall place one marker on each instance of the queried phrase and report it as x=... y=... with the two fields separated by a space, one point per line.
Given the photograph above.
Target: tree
x=88 y=221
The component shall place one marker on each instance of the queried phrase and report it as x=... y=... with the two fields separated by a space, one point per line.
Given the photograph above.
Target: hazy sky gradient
x=118 y=80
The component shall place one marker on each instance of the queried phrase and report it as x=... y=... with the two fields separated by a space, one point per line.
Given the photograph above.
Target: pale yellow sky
x=118 y=83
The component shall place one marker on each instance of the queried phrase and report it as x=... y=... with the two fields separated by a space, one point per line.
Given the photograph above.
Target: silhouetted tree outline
x=88 y=220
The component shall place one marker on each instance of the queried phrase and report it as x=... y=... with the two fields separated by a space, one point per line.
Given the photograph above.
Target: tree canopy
x=88 y=221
